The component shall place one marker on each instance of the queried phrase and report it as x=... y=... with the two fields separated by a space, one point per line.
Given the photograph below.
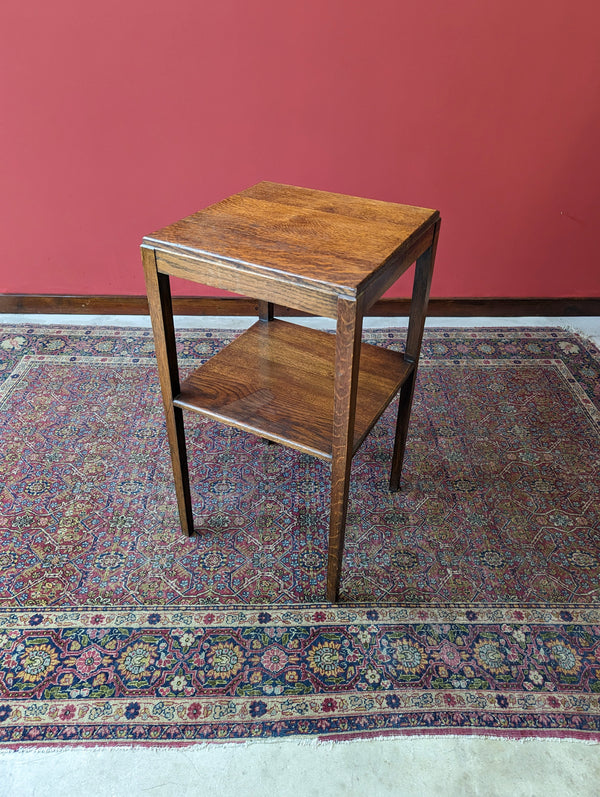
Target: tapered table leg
x=347 y=357
x=414 y=338
x=161 y=314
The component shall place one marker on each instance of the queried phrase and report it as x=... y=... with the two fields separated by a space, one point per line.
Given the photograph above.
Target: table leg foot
x=181 y=476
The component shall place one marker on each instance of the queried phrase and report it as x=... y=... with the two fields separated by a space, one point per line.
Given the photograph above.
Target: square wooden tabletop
x=313 y=237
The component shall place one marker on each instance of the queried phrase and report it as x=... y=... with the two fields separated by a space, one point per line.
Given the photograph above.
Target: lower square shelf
x=276 y=381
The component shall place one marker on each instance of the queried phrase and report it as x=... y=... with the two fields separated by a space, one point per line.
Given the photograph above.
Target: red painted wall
x=121 y=116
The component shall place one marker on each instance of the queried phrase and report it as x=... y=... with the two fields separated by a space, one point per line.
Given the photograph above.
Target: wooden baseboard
x=239 y=306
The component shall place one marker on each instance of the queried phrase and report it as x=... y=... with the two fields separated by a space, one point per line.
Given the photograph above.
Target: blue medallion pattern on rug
x=469 y=601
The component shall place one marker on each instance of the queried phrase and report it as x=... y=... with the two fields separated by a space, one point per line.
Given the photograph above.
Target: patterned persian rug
x=470 y=601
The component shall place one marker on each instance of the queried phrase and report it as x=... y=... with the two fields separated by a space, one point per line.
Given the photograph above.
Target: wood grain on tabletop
x=312 y=235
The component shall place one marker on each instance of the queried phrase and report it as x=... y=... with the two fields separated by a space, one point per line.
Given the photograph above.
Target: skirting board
x=236 y=306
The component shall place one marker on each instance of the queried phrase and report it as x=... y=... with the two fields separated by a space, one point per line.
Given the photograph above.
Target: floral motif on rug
x=469 y=600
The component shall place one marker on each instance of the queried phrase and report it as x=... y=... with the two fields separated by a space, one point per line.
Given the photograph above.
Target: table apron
x=269 y=287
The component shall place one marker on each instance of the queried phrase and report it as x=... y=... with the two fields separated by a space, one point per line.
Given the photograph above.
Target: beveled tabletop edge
x=211 y=259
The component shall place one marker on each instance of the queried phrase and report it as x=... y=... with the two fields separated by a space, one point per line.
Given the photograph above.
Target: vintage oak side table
x=321 y=253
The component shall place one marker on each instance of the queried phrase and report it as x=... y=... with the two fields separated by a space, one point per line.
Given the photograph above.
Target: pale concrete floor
x=408 y=767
